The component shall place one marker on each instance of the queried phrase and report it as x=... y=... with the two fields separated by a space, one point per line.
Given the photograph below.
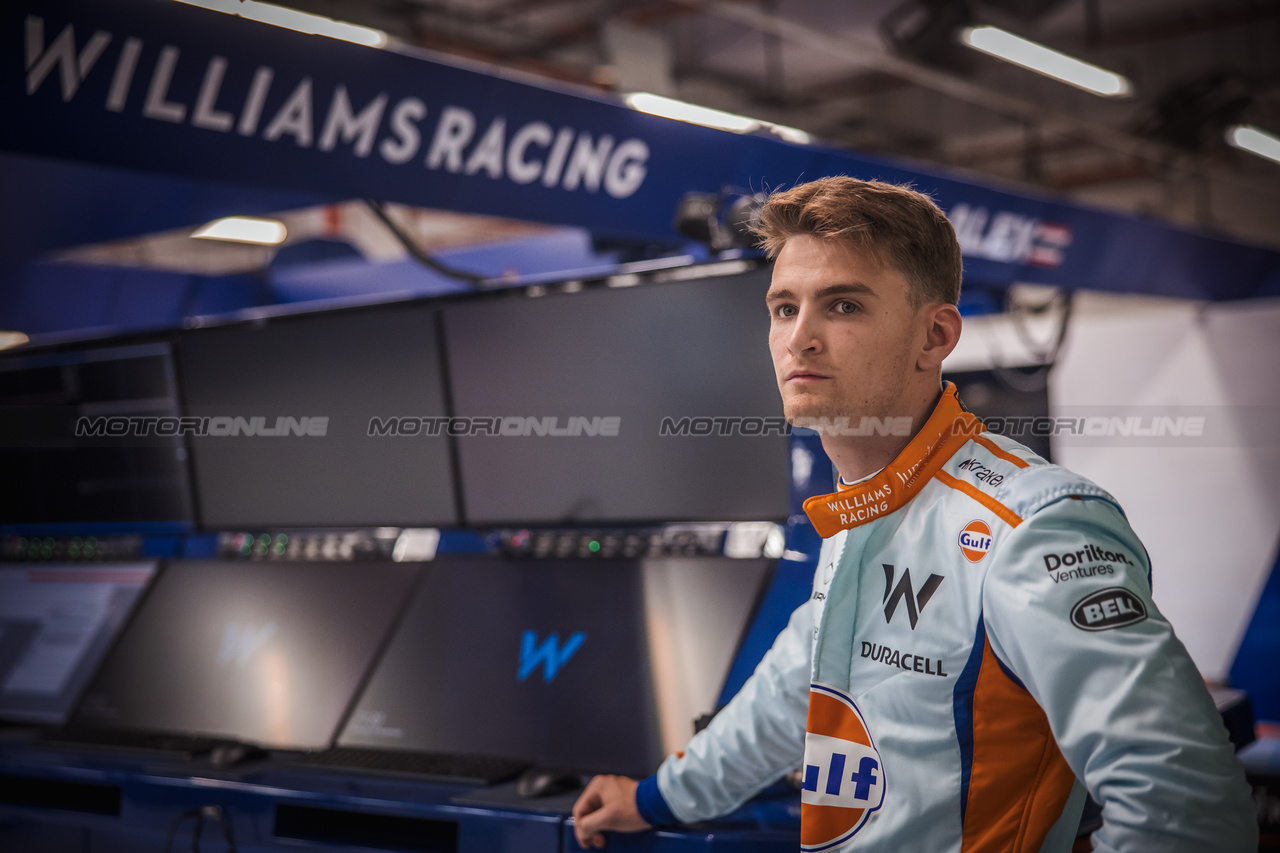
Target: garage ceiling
x=833 y=69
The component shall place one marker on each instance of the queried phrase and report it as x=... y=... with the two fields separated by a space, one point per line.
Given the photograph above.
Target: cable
x=417 y=254
x=1044 y=352
x=211 y=812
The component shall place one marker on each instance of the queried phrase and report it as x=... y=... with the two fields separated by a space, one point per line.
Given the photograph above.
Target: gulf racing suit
x=980 y=641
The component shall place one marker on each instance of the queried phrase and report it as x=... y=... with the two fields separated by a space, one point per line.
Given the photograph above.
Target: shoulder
x=1012 y=481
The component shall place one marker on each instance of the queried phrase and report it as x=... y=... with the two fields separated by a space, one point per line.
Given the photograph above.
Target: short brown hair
x=897 y=226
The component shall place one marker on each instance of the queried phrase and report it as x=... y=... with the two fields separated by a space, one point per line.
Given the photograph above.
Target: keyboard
x=436 y=766
x=181 y=746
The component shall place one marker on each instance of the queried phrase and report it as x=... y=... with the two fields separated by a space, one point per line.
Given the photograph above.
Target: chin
x=813 y=410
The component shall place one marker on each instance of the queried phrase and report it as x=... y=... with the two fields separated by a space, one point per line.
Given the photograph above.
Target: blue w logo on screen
x=550 y=655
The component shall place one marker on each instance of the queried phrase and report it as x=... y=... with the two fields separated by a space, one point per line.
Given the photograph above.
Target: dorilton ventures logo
x=1089 y=553
x=548 y=654
x=915 y=602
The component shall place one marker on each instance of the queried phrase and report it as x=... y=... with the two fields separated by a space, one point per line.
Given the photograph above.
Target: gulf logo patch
x=844 y=780
x=975 y=540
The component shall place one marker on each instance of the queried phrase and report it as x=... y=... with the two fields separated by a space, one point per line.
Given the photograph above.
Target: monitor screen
x=638 y=404
x=290 y=403
x=591 y=665
x=57 y=622
x=269 y=653
x=90 y=436
x=1009 y=400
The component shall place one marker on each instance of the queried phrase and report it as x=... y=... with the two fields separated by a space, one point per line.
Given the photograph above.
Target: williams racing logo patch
x=975 y=540
x=844 y=778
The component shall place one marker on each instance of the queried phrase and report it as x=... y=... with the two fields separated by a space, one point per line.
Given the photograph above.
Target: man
x=981 y=646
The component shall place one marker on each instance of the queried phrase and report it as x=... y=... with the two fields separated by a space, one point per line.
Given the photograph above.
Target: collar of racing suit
x=946 y=431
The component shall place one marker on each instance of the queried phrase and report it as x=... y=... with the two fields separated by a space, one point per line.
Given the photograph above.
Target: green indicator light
x=594 y=545
x=89 y=541
x=281 y=539
x=264 y=539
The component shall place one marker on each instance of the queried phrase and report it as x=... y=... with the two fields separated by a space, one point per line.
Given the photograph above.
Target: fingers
x=589 y=800
x=608 y=803
x=588 y=805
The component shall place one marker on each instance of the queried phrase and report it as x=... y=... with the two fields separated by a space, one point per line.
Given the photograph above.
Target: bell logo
x=550 y=655
x=844 y=781
x=975 y=540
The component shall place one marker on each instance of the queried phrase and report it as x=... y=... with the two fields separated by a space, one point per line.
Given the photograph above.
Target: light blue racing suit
x=981 y=646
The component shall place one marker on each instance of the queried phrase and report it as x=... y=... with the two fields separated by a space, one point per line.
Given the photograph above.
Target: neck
x=856 y=457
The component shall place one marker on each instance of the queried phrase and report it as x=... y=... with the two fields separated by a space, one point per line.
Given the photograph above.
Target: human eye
x=783 y=310
x=844 y=306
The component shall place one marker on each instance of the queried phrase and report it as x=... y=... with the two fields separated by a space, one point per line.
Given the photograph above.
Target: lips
x=805 y=376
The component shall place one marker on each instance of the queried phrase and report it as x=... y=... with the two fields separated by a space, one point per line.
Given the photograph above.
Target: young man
x=981 y=645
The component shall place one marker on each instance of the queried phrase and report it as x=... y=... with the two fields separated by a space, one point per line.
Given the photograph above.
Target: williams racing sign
x=191 y=93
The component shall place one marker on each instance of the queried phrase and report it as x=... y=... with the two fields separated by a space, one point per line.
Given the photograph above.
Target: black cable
x=1027 y=383
x=417 y=254
x=173 y=828
x=212 y=812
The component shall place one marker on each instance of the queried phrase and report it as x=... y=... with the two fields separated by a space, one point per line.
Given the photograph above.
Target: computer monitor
x=85 y=438
x=57 y=622
x=590 y=665
x=316 y=384
x=1010 y=400
x=636 y=404
x=270 y=653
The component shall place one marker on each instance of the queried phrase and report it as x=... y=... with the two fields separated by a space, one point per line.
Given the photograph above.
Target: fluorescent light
x=9 y=340
x=1042 y=60
x=1255 y=140
x=790 y=134
x=243 y=229
x=681 y=111
x=292 y=19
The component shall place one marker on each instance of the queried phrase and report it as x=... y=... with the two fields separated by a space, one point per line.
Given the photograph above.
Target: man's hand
x=609 y=802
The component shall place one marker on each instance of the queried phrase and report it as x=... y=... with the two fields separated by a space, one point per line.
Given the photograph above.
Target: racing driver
x=981 y=647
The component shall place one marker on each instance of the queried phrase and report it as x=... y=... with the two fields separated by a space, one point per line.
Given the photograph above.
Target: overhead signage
x=183 y=91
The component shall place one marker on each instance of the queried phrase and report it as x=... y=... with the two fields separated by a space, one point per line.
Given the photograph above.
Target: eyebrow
x=822 y=292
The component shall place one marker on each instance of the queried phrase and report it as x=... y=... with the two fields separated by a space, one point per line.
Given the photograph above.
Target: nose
x=803 y=337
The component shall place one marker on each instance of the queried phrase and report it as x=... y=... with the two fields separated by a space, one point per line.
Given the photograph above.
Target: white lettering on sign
x=1009 y=237
x=565 y=158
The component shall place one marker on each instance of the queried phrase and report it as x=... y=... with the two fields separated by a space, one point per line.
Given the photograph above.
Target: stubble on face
x=865 y=357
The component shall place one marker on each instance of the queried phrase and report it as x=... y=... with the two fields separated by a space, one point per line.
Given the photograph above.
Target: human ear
x=942 y=333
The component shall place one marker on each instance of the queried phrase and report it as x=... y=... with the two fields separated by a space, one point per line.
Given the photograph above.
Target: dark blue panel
x=225 y=294
x=48 y=298
x=51 y=298
x=52 y=204
x=1257 y=664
